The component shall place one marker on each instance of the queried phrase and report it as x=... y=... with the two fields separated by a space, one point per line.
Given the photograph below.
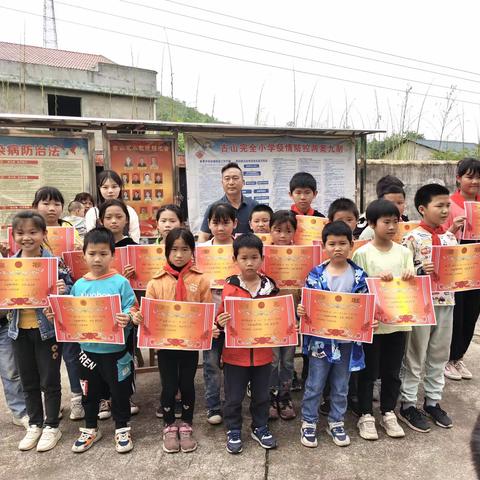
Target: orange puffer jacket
x=246 y=357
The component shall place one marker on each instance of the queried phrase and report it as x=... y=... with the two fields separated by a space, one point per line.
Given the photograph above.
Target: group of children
x=341 y=373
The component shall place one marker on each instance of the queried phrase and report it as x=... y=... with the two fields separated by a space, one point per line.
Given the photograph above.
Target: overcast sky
x=442 y=33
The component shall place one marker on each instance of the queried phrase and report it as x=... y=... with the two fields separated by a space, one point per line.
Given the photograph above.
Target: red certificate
x=403 y=229
x=400 y=302
x=471 y=230
x=75 y=261
x=174 y=325
x=262 y=322
x=341 y=316
x=87 y=319
x=266 y=238
x=289 y=265
x=309 y=228
x=456 y=267
x=216 y=262
x=27 y=282
x=59 y=240
x=147 y=260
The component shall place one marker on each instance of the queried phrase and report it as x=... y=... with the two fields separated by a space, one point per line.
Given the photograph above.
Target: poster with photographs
x=146 y=168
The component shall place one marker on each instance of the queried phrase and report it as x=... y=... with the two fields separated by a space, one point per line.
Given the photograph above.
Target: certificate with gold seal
x=59 y=240
x=289 y=265
x=216 y=262
x=147 y=260
x=403 y=229
x=173 y=325
x=403 y=302
x=309 y=228
x=27 y=282
x=457 y=268
x=338 y=315
x=260 y=322
x=87 y=319
x=266 y=238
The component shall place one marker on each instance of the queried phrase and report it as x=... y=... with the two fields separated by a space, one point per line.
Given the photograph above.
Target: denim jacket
x=326 y=347
x=46 y=328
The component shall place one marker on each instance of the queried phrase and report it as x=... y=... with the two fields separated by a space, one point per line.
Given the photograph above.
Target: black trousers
x=465 y=314
x=177 y=371
x=39 y=367
x=99 y=371
x=383 y=359
x=236 y=379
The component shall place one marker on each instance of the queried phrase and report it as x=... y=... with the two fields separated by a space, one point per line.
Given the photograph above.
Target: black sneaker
x=438 y=415
x=214 y=417
x=324 y=408
x=296 y=383
x=414 y=418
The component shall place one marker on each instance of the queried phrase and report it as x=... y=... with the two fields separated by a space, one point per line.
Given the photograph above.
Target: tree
x=379 y=148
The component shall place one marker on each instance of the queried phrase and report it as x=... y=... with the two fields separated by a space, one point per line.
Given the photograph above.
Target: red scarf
x=459 y=199
x=295 y=209
x=180 y=289
x=435 y=232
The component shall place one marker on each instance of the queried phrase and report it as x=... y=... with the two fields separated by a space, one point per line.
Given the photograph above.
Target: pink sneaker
x=187 y=442
x=171 y=442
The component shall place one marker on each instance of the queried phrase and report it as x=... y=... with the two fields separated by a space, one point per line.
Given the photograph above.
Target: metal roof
x=46 y=121
x=15 y=52
x=445 y=146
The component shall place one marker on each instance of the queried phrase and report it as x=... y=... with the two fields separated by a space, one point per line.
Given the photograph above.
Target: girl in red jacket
x=243 y=365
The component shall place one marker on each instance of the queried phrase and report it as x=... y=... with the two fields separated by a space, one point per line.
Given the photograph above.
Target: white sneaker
x=88 y=436
x=105 y=410
x=76 y=409
x=134 y=408
x=50 y=437
x=366 y=427
x=463 y=370
x=123 y=440
x=390 y=424
x=21 y=422
x=451 y=372
x=31 y=438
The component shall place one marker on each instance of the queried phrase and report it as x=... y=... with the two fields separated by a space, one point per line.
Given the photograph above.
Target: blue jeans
x=212 y=374
x=318 y=373
x=12 y=386
x=70 y=354
x=282 y=370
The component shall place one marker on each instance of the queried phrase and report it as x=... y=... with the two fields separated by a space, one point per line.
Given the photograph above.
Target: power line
x=265 y=50
x=230 y=57
x=276 y=27
x=300 y=43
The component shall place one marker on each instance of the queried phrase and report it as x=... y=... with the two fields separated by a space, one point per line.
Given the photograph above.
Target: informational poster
x=268 y=164
x=146 y=168
x=30 y=162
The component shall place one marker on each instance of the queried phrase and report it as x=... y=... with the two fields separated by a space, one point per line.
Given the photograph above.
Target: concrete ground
x=440 y=454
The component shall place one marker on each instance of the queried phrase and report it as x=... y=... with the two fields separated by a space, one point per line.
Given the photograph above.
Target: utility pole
x=49 y=25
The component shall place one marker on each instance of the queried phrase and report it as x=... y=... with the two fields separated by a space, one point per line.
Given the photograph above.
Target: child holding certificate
x=168 y=217
x=243 y=365
x=283 y=225
x=428 y=347
x=222 y=221
x=180 y=280
x=383 y=357
x=105 y=365
x=36 y=350
x=331 y=360
x=467 y=304
x=49 y=203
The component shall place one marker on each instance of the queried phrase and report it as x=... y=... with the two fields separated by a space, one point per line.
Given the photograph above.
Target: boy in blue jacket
x=105 y=365
x=331 y=360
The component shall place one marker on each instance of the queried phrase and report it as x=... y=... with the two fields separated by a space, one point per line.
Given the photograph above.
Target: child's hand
x=48 y=312
x=386 y=276
x=428 y=268
x=375 y=324
x=215 y=332
x=4 y=250
x=407 y=275
x=137 y=318
x=223 y=318
x=301 y=312
x=128 y=271
x=122 y=319
x=457 y=224
x=61 y=287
